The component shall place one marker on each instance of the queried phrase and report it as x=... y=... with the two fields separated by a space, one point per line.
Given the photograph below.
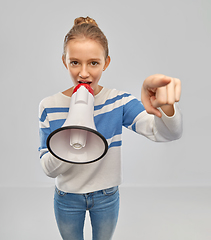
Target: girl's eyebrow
x=91 y=59
x=95 y=59
x=72 y=58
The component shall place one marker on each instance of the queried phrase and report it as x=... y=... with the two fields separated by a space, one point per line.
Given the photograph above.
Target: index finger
x=156 y=81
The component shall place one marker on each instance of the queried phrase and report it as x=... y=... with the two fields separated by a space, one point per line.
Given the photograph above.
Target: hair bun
x=81 y=20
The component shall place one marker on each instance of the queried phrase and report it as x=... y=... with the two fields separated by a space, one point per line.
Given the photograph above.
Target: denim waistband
x=110 y=189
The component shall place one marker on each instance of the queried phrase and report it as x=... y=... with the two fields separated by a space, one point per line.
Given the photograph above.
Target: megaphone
x=78 y=141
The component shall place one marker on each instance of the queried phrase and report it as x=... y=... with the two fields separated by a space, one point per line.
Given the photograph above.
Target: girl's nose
x=84 y=73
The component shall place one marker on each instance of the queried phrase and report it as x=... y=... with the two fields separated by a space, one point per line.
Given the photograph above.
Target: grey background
x=145 y=37
x=169 y=37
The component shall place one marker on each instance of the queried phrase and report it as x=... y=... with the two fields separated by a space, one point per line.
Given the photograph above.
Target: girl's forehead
x=84 y=46
x=83 y=42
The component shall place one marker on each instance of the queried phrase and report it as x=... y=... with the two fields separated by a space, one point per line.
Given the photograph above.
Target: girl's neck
x=68 y=92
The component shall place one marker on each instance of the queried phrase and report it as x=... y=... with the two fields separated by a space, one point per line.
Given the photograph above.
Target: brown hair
x=88 y=28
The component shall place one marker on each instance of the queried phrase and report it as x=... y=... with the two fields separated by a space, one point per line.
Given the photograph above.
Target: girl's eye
x=94 y=63
x=74 y=63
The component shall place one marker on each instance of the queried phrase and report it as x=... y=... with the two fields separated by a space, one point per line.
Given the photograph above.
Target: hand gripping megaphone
x=78 y=141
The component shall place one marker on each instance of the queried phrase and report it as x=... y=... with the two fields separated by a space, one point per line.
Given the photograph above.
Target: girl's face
x=85 y=62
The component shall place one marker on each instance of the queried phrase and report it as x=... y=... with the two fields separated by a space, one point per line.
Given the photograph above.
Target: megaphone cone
x=78 y=141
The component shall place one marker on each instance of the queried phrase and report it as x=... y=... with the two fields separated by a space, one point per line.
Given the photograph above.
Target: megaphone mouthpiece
x=86 y=85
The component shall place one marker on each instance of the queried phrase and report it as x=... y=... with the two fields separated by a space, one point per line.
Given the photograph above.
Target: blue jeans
x=70 y=210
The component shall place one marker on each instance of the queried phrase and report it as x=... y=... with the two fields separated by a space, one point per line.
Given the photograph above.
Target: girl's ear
x=107 y=62
x=64 y=61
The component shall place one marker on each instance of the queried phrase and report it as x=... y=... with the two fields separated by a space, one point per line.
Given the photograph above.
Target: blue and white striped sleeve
x=156 y=129
x=51 y=165
x=44 y=131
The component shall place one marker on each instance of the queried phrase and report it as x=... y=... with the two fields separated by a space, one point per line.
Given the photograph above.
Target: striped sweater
x=112 y=110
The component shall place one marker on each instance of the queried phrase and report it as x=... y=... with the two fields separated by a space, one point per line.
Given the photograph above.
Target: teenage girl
x=94 y=186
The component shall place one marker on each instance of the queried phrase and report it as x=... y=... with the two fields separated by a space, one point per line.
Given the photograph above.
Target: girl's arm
x=162 y=119
x=159 y=129
x=51 y=165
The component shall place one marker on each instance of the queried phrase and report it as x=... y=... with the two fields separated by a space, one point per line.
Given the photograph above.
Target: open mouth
x=86 y=82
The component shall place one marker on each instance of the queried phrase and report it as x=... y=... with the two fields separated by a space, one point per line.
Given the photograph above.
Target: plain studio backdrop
x=166 y=189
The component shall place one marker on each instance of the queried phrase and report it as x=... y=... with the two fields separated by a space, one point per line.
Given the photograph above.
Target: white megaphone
x=78 y=141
